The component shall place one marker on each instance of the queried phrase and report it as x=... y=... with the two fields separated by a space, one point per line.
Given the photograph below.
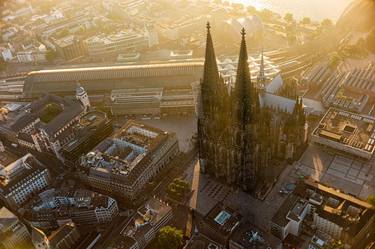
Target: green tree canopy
x=327 y=23
x=370 y=41
x=335 y=244
x=50 y=55
x=3 y=64
x=289 y=17
x=306 y=21
x=371 y=200
x=50 y=112
x=169 y=238
x=177 y=189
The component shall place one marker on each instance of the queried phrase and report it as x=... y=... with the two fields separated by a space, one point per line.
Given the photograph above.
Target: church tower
x=213 y=104
x=239 y=140
x=245 y=108
x=261 y=79
x=82 y=96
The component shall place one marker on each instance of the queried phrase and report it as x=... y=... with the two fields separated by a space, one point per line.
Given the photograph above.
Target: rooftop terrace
x=347 y=131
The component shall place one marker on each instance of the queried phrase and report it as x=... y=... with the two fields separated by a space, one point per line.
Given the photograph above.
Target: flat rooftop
x=7 y=158
x=224 y=219
x=16 y=171
x=127 y=152
x=351 y=132
x=7 y=219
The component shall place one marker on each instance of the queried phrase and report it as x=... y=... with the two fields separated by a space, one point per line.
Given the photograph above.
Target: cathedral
x=239 y=138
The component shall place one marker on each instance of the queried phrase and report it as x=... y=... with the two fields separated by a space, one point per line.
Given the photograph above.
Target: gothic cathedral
x=238 y=138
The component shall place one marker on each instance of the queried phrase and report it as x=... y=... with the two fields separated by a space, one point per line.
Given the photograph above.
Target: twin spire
x=243 y=98
x=211 y=73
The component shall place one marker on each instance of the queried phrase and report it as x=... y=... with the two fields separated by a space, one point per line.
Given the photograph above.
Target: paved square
x=350 y=174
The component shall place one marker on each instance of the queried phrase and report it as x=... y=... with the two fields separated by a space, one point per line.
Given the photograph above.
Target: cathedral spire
x=211 y=72
x=244 y=93
x=261 y=76
x=211 y=78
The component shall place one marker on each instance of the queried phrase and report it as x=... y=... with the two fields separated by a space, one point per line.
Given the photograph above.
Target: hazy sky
x=316 y=9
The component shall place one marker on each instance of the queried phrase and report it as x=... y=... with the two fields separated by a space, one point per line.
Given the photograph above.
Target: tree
x=334 y=60
x=177 y=189
x=326 y=23
x=251 y=10
x=306 y=21
x=289 y=17
x=51 y=55
x=50 y=112
x=169 y=238
x=370 y=41
x=265 y=14
x=334 y=244
x=3 y=64
x=371 y=200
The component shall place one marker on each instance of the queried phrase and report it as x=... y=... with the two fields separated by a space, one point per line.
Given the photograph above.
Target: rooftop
x=223 y=219
x=63 y=203
x=126 y=154
x=7 y=158
x=351 y=130
x=87 y=124
x=51 y=123
x=248 y=236
x=7 y=219
x=147 y=216
x=13 y=173
x=342 y=209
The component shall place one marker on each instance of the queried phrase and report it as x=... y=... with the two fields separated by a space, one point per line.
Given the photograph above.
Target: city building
x=352 y=90
x=146 y=223
x=52 y=208
x=6 y=54
x=317 y=243
x=247 y=236
x=123 y=164
x=91 y=129
x=261 y=67
x=348 y=132
x=13 y=234
x=70 y=47
x=324 y=210
x=47 y=124
x=65 y=237
x=177 y=101
x=238 y=135
x=153 y=101
x=136 y=101
x=220 y=223
x=102 y=46
x=202 y=242
x=33 y=54
x=21 y=179
x=102 y=80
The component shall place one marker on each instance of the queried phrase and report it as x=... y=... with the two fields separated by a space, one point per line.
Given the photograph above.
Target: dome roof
x=358 y=16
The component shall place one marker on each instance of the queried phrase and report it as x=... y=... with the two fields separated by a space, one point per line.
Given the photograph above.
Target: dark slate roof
x=71 y=109
x=280 y=217
x=61 y=233
x=25 y=137
x=23 y=121
x=64 y=117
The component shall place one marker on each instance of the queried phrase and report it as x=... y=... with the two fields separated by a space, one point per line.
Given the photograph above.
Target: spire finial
x=243 y=32
x=208 y=26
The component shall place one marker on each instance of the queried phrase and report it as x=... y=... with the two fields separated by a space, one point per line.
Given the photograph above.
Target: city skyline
x=147 y=124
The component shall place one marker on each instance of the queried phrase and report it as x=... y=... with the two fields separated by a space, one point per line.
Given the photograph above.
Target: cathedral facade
x=238 y=138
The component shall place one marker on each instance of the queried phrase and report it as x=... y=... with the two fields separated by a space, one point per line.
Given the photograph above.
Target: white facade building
x=12 y=232
x=21 y=179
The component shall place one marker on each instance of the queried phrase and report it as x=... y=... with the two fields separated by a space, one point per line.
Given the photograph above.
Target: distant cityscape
x=152 y=124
